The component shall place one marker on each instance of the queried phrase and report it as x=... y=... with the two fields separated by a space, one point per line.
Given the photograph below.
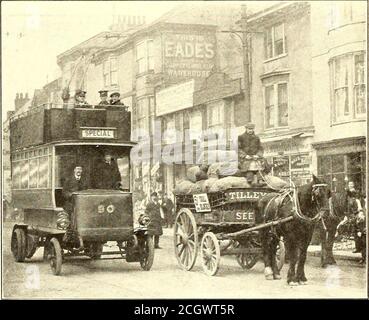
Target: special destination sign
x=188 y=56
x=99 y=133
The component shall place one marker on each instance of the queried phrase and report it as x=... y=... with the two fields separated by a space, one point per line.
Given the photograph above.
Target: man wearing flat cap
x=155 y=225
x=103 y=97
x=80 y=99
x=115 y=99
x=249 y=149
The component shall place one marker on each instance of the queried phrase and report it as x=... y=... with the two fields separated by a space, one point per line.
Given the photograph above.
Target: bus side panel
x=23 y=199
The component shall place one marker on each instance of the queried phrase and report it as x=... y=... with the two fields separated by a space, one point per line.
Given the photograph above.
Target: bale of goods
x=191 y=173
x=184 y=187
x=223 y=168
x=206 y=186
x=229 y=182
x=275 y=182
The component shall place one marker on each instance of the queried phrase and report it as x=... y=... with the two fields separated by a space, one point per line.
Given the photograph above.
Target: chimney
x=20 y=100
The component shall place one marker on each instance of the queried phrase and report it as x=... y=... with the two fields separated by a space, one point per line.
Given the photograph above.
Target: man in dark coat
x=153 y=211
x=104 y=98
x=80 y=99
x=106 y=174
x=168 y=206
x=115 y=99
x=74 y=183
x=249 y=149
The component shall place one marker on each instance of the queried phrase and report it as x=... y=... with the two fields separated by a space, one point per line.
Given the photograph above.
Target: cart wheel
x=55 y=256
x=32 y=245
x=94 y=250
x=210 y=253
x=19 y=244
x=247 y=260
x=185 y=239
x=147 y=253
x=280 y=254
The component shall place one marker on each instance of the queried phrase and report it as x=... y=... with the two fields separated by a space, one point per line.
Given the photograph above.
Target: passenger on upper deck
x=80 y=99
x=104 y=98
x=115 y=99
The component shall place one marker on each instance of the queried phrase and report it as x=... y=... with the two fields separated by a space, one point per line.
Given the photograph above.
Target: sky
x=33 y=33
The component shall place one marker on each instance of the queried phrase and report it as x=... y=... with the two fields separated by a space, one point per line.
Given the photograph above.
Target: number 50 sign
x=201 y=202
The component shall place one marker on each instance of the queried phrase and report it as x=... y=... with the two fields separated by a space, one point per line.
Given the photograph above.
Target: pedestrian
x=155 y=225
x=80 y=99
x=106 y=174
x=168 y=207
x=103 y=97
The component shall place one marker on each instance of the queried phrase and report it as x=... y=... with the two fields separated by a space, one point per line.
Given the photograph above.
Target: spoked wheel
x=247 y=260
x=147 y=253
x=185 y=239
x=210 y=253
x=55 y=256
x=94 y=250
x=19 y=244
x=280 y=254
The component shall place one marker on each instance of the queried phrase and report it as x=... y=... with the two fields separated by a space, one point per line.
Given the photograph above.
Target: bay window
x=276 y=105
x=348 y=87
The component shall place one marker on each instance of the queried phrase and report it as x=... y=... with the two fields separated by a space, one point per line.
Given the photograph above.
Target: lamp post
x=243 y=36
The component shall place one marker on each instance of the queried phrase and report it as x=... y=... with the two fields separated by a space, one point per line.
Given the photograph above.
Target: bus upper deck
x=54 y=123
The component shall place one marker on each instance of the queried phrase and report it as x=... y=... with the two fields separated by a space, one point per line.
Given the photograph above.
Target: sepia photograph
x=184 y=150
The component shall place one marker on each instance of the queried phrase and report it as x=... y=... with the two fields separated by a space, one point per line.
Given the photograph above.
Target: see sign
x=201 y=202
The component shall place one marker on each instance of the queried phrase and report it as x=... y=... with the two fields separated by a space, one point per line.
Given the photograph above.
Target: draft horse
x=305 y=205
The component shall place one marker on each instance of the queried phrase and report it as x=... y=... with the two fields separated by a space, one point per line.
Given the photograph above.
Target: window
x=110 y=72
x=142 y=115
x=269 y=106
x=276 y=95
x=338 y=169
x=216 y=115
x=195 y=124
x=275 y=41
x=359 y=84
x=169 y=136
x=348 y=86
x=145 y=56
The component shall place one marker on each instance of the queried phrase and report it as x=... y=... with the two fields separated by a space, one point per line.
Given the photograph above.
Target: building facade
x=339 y=86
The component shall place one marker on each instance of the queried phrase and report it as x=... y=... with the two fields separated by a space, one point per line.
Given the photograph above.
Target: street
x=84 y=278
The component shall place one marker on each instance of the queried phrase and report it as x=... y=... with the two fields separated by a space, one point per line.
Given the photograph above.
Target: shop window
x=338 y=170
x=145 y=56
x=275 y=41
x=348 y=85
x=276 y=95
x=110 y=72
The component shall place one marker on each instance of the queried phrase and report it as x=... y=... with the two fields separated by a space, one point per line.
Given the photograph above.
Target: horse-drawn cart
x=222 y=223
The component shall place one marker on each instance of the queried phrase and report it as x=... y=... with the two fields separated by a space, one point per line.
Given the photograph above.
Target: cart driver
x=249 y=148
x=75 y=182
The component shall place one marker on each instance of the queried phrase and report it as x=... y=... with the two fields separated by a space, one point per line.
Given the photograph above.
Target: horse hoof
x=293 y=284
x=277 y=277
x=303 y=283
x=269 y=277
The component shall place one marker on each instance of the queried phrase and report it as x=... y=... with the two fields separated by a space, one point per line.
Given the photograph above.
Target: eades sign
x=188 y=55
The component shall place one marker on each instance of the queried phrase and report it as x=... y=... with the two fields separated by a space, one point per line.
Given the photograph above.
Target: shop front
x=342 y=160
